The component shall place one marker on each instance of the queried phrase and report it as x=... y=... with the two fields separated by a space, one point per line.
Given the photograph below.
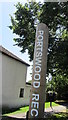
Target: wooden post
x=37 y=97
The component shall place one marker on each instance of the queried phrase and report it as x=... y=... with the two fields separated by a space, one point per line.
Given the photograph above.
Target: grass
x=25 y=109
x=47 y=104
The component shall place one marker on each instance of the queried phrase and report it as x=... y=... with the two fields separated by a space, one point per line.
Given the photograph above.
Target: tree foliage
x=54 y=15
x=59 y=84
x=23 y=25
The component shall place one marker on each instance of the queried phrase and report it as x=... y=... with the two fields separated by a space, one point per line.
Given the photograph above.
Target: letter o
x=40 y=37
x=39 y=69
x=37 y=77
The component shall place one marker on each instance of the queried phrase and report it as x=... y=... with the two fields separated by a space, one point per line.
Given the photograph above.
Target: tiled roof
x=6 y=52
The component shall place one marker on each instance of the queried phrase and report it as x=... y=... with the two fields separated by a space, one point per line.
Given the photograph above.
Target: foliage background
x=54 y=15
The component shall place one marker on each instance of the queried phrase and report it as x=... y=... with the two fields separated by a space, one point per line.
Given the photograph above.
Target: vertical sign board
x=37 y=95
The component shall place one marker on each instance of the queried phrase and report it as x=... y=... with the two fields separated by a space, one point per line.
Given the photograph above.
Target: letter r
x=35 y=97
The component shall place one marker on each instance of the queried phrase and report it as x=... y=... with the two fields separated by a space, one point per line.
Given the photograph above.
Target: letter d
x=36 y=84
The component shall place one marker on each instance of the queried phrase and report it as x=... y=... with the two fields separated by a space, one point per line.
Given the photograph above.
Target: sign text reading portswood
x=37 y=71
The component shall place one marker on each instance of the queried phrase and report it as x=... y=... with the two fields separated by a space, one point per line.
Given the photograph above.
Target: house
x=15 y=92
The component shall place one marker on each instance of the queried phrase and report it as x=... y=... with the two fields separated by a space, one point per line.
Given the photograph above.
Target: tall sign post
x=37 y=95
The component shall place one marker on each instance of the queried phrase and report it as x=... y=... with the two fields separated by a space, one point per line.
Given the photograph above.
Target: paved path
x=55 y=109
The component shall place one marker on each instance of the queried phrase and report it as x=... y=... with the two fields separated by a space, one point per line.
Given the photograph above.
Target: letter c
x=34 y=110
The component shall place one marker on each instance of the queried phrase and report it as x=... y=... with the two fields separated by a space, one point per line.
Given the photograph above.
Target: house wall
x=0 y=83
x=13 y=78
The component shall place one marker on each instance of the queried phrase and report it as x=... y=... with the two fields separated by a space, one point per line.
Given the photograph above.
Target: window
x=21 y=92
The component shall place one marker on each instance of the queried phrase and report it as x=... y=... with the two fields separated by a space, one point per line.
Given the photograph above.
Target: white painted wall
x=14 y=78
x=0 y=83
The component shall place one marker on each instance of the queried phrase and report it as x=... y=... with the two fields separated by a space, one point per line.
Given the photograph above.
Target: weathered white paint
x=13 y=78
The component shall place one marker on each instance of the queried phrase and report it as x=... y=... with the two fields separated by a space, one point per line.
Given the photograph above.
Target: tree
x=54 y=15
x=59 y=84
x=24 y=25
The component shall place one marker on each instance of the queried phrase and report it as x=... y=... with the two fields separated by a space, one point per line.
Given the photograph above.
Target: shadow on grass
x=55 y=116
x=60 y=116
x=11 y=118
x=6 y=110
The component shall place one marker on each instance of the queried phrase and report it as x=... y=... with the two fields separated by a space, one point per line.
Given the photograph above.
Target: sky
x=6 y=36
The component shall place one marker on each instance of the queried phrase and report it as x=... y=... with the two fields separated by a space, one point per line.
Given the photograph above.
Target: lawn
x=25 y=109
x=47 y=104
